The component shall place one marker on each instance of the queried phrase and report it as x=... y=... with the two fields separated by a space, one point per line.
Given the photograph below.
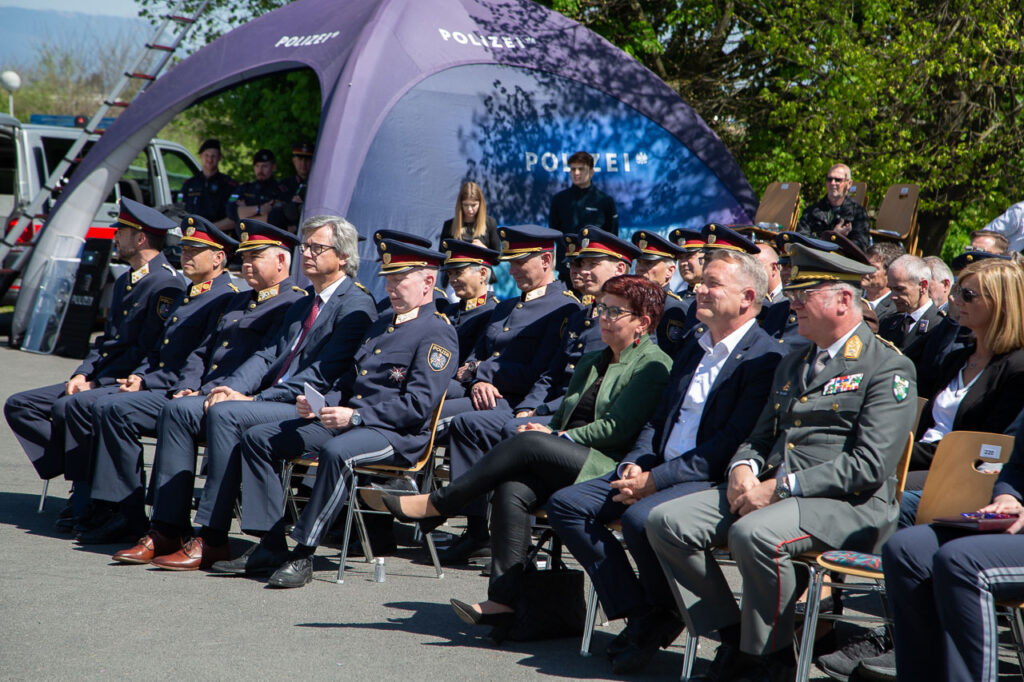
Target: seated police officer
x=657 y=262
x=469 y=267
x=314 y=344
x=380 y=412
x=204 y=254
x=817 y=472
x=718 y=386
x=141 y=302
x=247 y=319
x=384 y=304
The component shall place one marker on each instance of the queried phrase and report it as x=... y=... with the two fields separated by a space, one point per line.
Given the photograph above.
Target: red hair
x=645 y=297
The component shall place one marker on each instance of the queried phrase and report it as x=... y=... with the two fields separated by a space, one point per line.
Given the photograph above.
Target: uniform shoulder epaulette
x=571 y=295
x=300 y=290
x=889 y=343
x=442 y=316
x=170 y=269
x=672 y=294
x=364 y=289
x=495 y=298
x=234 y=288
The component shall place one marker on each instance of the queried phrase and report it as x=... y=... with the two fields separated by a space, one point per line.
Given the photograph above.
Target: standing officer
x=257 y=198
x=657 y=262
x=314 y=344
x=379 y=412
x=817 y=472
x=288 y=208
x=204 y=254
x=469 y=267
x=208 y=192
x=141 y=302
x=121 y=419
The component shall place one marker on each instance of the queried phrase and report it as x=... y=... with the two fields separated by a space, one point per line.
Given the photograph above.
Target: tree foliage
x=923 y=91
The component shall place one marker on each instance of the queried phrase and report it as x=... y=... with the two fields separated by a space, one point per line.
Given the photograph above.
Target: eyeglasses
x=801 y=296
x=832 y=179
x=314 y=248
x=965 y=295
x=611 y=312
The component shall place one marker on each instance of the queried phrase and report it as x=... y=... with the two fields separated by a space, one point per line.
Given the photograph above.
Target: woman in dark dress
x=473 y=223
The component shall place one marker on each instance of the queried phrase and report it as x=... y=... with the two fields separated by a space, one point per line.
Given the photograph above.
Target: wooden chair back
x=428 y=452
x=902 y=467
x=955 y=484
x=921 y=402
x=780 y=205
x=896 y=219
x=859 y=193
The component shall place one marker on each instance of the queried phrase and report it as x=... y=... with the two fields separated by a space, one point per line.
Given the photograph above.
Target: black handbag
x=549 y=605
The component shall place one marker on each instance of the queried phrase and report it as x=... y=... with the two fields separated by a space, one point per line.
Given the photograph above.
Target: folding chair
x=423 y=468
x=859 y=193
x=896 y=220
x=1014 y=611
x=954 y=485
x=780 y=205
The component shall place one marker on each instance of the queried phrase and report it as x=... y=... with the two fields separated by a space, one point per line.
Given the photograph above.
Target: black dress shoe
x=465 y=548
x=394 y=505
x=629 y=635
x=66 y=519
x=118 y=529
x=471 y=616
x=652 y=631
x=729 y=661
x=294 y=573
x=257 y=560
x=92 y=517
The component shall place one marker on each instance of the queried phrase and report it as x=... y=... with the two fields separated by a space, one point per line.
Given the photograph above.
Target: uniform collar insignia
x=475 y=302
x=536 y=293
x=200 y=288
x=268 y=293
x=853 y=347
x=405 y=317
x=140 y=273
x=587 y=299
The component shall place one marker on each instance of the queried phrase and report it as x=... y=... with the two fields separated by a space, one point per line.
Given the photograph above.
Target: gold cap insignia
x=383 y=246
x=711 y=237
x=585 y=243
x=245 y=236
x=504 y=244
x=642 y=244
x=387 y=259
x=190 y=231
x=447 y=254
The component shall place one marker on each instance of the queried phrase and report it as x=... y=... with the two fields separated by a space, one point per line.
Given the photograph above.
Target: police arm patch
x=438 y=357
x=163 y=306
x=900 y=387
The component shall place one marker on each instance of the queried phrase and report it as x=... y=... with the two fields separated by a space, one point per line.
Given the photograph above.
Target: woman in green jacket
x=611 y=395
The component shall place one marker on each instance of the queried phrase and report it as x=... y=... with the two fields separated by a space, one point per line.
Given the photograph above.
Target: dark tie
x=908 y=323
x=306 y=325
x=819 y=364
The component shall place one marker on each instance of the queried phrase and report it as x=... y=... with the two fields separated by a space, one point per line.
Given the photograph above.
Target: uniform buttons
x=572 y=366
x=225 y=344
x=803 y=399
x=213 y=367
x=251 y=306
x=519 y=305
x=174 y=319
x=128 y=288
x=835 y=407
x=376 y=351
x=125 y=311
x=390 y=329
x=363 y=373
x=789 y=445
x=777 y=406
x=106 y=354
x=496 y=354
x=185 y=300
x=579 y=345
x=359 y=397
x=797 y=422
x=161 y=364
x=166 y=341
x=586 y=323
x=506 y=329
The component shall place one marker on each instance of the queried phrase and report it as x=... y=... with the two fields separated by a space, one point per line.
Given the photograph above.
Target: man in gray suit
x=816 y=473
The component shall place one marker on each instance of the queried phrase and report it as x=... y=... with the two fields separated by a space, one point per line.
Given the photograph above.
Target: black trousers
x=523 y=471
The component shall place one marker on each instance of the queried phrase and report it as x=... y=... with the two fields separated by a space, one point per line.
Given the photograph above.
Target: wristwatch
x=356 y=419
x=782 y=489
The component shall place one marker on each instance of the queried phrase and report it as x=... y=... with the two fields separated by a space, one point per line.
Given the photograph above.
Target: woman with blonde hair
x=471 y=222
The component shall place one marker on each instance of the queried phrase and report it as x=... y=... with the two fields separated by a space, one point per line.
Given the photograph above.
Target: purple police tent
x=421 y=95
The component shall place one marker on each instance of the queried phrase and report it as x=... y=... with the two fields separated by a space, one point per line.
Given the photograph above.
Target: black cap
x=687 y=240
x=596 y=243
x=572 y=245
x=399 y=236
x=302 y=149
x=723 y=237
x=263 y=155
x=655 y=247
x=198 y=231
x=212 y=143
x=396 y=257
x=785 y=240
x=257 y=235
x=846 y=247
x=972 y=255
x=141 y=217
x=459 y=254
x=523 y=241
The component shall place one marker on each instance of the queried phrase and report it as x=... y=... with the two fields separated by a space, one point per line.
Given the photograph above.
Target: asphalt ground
x=70 y=613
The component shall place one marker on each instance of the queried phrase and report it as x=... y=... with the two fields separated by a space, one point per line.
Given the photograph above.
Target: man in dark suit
x=315 y=344
x=818 y=471
x=909 y=278
x=876 y=285
x=719 y=384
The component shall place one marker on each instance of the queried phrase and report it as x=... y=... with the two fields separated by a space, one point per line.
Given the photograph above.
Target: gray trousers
x=683 y=532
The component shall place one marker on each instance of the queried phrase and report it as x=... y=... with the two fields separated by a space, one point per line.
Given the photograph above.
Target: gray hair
x=913 y=267
x=751 y=272
x=344 y=238
x=940 y=270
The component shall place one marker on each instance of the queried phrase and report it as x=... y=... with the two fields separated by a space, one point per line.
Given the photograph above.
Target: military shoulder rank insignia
x=269 y=293
x=587 y=299
x=889 y=344
x=442 y=316
x=301 y=290
x=362 y=288
x=843 y=384
x=672 y=294
x=233 y=287
x=900 y=388
x=140 y=273
x=200 y=288
x=438 y=357
x=853 y=348
x=166 y=265
x=570 y=295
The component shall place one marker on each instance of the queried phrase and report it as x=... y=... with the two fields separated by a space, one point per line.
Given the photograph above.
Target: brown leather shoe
x=194 y=555
x=151 y=545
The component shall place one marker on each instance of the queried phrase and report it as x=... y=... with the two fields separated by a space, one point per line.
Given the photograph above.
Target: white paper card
x=990 y=451
x=315 y=399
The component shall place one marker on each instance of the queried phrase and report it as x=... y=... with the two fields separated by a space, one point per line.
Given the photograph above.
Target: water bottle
x=379 y=573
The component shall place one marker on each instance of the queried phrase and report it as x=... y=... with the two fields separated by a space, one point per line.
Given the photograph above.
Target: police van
x=28 y=152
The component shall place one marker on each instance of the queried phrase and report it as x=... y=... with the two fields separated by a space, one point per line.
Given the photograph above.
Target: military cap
x=523 y=241
x=687 y=240
x=138 y=216
x=302 y=149
x=846 y=247
x=972 y=255
x=459 y=254
x=399 y=236
x=785 y=240
x=721 y=237
x=572 y=245
x=198 y=231
x=596 y=243
x=655 y=247
x=758 y=234
x=212 y=143
x=257 y=235
x=397 y=256
x=263 y=155
x=811 y=267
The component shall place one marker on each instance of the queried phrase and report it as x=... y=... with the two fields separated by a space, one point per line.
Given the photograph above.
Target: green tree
x=903 y=91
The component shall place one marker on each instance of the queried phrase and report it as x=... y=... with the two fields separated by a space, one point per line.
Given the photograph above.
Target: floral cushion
x=858 y=560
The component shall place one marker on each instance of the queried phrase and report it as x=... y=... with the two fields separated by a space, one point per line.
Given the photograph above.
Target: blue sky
x=120 y=8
